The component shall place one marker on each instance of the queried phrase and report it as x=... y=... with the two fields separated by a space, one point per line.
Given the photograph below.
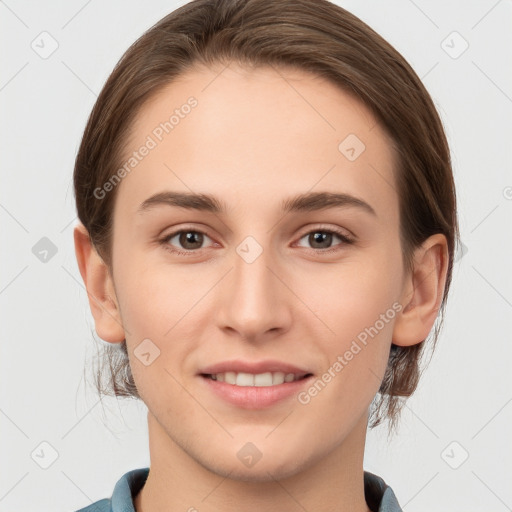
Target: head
x=256 y=102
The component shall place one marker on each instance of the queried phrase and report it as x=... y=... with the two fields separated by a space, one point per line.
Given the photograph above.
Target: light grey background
x=463 y=406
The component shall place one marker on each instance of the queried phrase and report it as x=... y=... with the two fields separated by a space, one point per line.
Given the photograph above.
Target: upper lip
x=255 y=367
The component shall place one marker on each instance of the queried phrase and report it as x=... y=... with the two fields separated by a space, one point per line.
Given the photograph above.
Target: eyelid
x=344 y=232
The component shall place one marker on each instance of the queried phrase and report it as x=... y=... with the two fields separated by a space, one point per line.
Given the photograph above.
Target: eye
x=320 y=238
x=189 y=239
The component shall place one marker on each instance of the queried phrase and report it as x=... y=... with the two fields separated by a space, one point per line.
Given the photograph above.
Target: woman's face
x=279 y=279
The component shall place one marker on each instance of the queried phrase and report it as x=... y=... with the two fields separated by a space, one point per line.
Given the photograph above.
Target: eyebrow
x=311 y=201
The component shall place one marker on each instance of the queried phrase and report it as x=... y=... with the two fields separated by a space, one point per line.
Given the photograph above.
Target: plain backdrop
x=60 y=447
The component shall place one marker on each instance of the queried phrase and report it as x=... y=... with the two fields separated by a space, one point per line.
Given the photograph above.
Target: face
x=293 y=266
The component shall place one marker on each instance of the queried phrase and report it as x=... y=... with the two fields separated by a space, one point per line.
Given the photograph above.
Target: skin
x=256 y=138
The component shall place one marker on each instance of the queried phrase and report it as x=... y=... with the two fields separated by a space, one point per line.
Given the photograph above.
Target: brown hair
x=312 y=35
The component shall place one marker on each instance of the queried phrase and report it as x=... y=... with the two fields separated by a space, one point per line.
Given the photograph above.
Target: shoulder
x=122 y=496
x=379 y=495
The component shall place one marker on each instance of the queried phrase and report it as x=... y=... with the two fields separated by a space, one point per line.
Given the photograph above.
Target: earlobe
x=423 y=292
x=100 y=288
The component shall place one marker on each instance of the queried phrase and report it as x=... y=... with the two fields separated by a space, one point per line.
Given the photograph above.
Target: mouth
x=254 y=385
x=266 y=379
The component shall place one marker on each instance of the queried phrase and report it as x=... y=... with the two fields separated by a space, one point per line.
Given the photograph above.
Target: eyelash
x=165 y=240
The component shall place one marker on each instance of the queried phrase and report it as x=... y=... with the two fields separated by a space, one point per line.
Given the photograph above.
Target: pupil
x=320 y=236
x=190 y=237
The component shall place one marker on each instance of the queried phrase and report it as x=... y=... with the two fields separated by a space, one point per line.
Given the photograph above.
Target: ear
x=423 y=292
x=100 y=288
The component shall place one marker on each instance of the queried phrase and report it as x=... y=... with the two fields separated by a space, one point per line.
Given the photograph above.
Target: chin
x=267 y=469
x=268 y=473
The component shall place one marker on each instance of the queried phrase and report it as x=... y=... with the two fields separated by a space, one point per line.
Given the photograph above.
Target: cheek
x=357 y=309
x=353 y=297
x=154 y=298
x=360 y=316
x=155 y=304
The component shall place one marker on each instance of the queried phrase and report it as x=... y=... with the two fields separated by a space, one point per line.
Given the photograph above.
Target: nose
x=253 y=299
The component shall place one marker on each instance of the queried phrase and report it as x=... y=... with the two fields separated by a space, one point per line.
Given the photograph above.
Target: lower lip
x=255 y=397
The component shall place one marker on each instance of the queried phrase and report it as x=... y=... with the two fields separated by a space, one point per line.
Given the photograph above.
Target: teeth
x=230 y=377
x=244 y=379
x=258 y=380
x=278 y=378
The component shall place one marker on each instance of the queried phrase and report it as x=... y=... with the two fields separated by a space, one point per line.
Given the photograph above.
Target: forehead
x=253 y=133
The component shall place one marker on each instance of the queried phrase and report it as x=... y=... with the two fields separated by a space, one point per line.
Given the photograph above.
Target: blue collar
x=379 y=496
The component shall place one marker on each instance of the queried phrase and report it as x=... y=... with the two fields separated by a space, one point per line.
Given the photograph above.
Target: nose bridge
x=252 y=277
x=254 y=302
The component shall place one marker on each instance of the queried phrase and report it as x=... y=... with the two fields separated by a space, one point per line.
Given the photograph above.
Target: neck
x=176 y=481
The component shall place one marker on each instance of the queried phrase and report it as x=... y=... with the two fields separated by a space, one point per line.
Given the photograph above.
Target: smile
x=255 y=390
x=258 y=380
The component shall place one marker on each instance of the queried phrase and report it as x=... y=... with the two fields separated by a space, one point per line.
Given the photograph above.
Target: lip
x=239 y=365
x=254 y=397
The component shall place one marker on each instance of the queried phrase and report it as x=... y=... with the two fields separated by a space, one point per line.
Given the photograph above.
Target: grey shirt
x=378 y=495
